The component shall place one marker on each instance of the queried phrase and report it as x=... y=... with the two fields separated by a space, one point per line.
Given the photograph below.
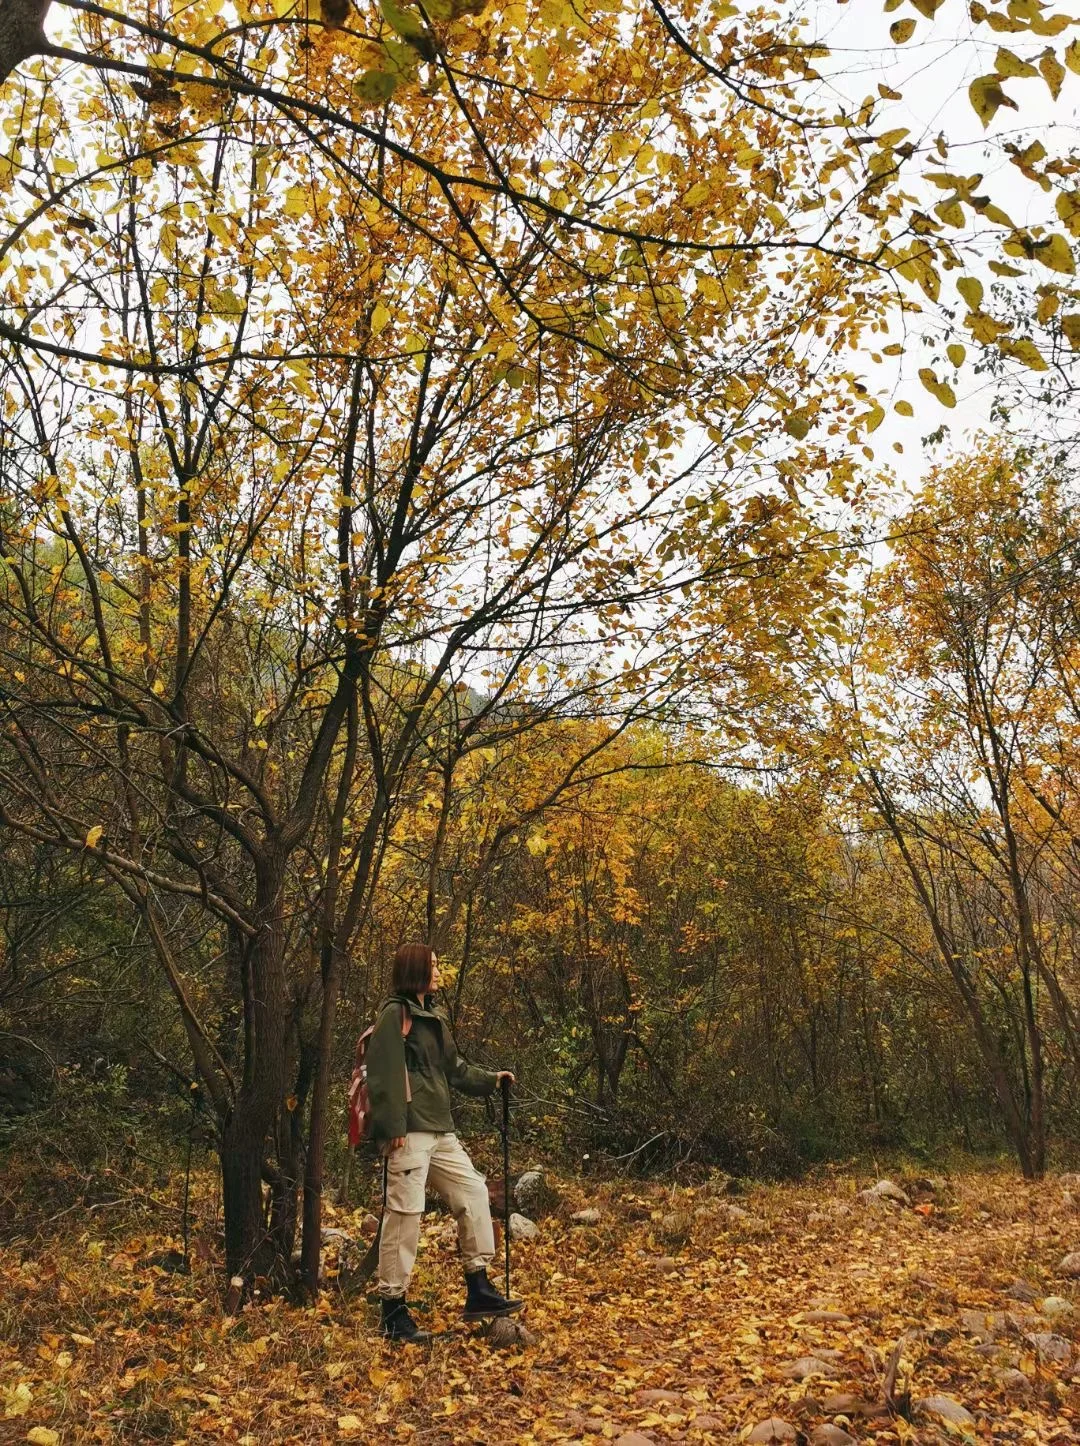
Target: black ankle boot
x=398 y=1324
x=483 y=1300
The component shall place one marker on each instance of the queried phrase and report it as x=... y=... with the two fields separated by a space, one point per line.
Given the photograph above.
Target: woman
x=412 y=1061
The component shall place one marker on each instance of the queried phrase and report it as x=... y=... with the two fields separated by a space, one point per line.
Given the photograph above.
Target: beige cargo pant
x=440 y=1159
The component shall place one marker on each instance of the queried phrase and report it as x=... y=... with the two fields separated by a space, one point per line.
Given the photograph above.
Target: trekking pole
x=506 y=1175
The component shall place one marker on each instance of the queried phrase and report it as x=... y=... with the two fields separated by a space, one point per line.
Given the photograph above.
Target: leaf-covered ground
x=681 y=1315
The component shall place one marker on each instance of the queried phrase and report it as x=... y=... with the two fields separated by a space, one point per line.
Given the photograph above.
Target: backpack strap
x=406 y=1026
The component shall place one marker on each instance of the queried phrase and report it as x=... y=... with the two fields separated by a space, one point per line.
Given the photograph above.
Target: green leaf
x=405 y=22
x=377 y=85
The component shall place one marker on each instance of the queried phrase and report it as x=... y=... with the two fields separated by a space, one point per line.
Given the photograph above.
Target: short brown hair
x=412 y=969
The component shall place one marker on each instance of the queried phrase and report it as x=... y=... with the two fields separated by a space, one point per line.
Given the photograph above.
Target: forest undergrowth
x=804 y=1312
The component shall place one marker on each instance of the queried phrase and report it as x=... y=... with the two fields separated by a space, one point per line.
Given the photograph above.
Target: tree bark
x=22 y=32
x=250 y=1248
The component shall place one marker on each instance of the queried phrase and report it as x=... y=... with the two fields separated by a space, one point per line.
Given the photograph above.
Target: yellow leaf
x=1006 y=63
x=1004 y=24
x=950 y=211
x=297 y=201
x=218 y=226
x=1056 y=253
x=987 y=97
x=1070 y=325
x=1072 y=56
x=1067 y=206
x=928 y=7
x=984 y=328
x=971 y=289
x=1002 y=268
x=17 y=1399
x=941 y=390
x=905 y=409
x=1024 y=350
x=379 y=318
x=796 y=425
x=901 y=31
x=957 y=353
x=1052 y=71
x=539 y=65
x=42 y=1436
x=348 y=1425
x=93 y=836
x=874 y=417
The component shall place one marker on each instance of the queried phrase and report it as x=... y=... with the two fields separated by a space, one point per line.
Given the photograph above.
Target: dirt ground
x=801 y=1313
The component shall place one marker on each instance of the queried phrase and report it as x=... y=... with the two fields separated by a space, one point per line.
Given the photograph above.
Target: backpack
x=359 y=1099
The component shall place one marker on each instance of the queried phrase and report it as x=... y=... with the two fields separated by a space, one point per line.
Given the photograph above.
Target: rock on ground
x=807 y=1366
x=827 y=1435
x=884 y=1190
x=1022 y=1290
x=1052 y=1347
x=1070 y=1265
x=945 y=1409
x=522 y=1228
x=534 y=1195
x=774 y=1429
x=1013 y=1380
x=1055 y=1305
x=591 y=1216
x=505 y=1333
x=930 y=1184
x=844 y=1404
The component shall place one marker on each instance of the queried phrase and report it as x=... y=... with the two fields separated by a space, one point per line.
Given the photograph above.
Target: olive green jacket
x=431 y=1058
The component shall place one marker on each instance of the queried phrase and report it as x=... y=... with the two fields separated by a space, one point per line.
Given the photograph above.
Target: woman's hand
x=504 y=1074
x=389 y=1146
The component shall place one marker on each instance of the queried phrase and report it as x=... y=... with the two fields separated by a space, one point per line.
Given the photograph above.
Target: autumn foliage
x=439 y=499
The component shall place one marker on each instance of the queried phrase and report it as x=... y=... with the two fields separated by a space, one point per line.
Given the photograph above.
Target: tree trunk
x=21 y=32
x=250 y=1247
x=246 y=1240
x=311 y=1246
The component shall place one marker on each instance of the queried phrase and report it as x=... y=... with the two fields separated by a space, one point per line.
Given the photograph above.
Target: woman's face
x=433 y=982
